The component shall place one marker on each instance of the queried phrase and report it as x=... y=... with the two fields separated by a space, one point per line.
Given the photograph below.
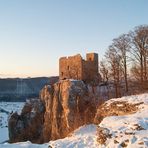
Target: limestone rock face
x=115 y=108
x=29 y=124
x=68 y=105
x=62 y=108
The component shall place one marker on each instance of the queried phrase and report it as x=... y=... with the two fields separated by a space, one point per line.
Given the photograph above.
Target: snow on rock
x=124 y=124
x=129 y=128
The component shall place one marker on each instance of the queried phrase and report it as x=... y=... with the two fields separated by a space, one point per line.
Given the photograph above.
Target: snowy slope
x=129 y=131
x=85 y=136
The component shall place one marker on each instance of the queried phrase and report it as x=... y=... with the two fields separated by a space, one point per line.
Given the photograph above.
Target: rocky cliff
x=67 y=105
x=28 y=125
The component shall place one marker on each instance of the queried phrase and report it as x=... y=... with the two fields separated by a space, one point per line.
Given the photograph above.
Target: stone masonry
x=75 y=67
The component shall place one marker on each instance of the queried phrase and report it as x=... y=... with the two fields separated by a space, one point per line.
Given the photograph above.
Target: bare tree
x=115 y=70
x=122 y=45
x=135 y=70
x=139 y=50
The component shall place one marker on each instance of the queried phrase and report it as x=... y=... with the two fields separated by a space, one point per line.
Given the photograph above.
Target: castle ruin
x=75 y=67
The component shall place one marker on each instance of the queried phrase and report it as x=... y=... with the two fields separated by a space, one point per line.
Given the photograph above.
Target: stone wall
x=74 y=67
x=90 y=67
x=71 y=67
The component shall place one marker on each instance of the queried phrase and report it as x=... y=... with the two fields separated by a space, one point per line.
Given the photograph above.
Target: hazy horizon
x=23 y=77
x=35 y=34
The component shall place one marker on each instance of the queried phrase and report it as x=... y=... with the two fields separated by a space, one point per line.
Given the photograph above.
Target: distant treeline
x=16 y=89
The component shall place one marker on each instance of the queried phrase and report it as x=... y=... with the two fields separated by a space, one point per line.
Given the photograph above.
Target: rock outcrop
x=67 y=105
x=115 y=108
x=123 y=122
x=29 y=124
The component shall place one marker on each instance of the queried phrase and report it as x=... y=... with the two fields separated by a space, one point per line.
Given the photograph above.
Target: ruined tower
x=90 y=67
x=75 y=67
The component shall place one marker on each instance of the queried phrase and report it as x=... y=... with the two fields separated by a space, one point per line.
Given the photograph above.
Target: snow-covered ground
x=85 y=136
x=5 y=109
x=126 y=131
x=129 y=130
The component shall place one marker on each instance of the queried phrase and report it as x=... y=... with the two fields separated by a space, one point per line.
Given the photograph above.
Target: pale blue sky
x=35 y=33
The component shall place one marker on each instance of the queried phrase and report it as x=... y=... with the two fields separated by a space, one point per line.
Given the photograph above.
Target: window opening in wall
x=68 y=67
x=62 y=73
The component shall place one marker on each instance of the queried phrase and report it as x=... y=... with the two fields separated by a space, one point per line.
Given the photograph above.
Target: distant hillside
x=16 y=89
